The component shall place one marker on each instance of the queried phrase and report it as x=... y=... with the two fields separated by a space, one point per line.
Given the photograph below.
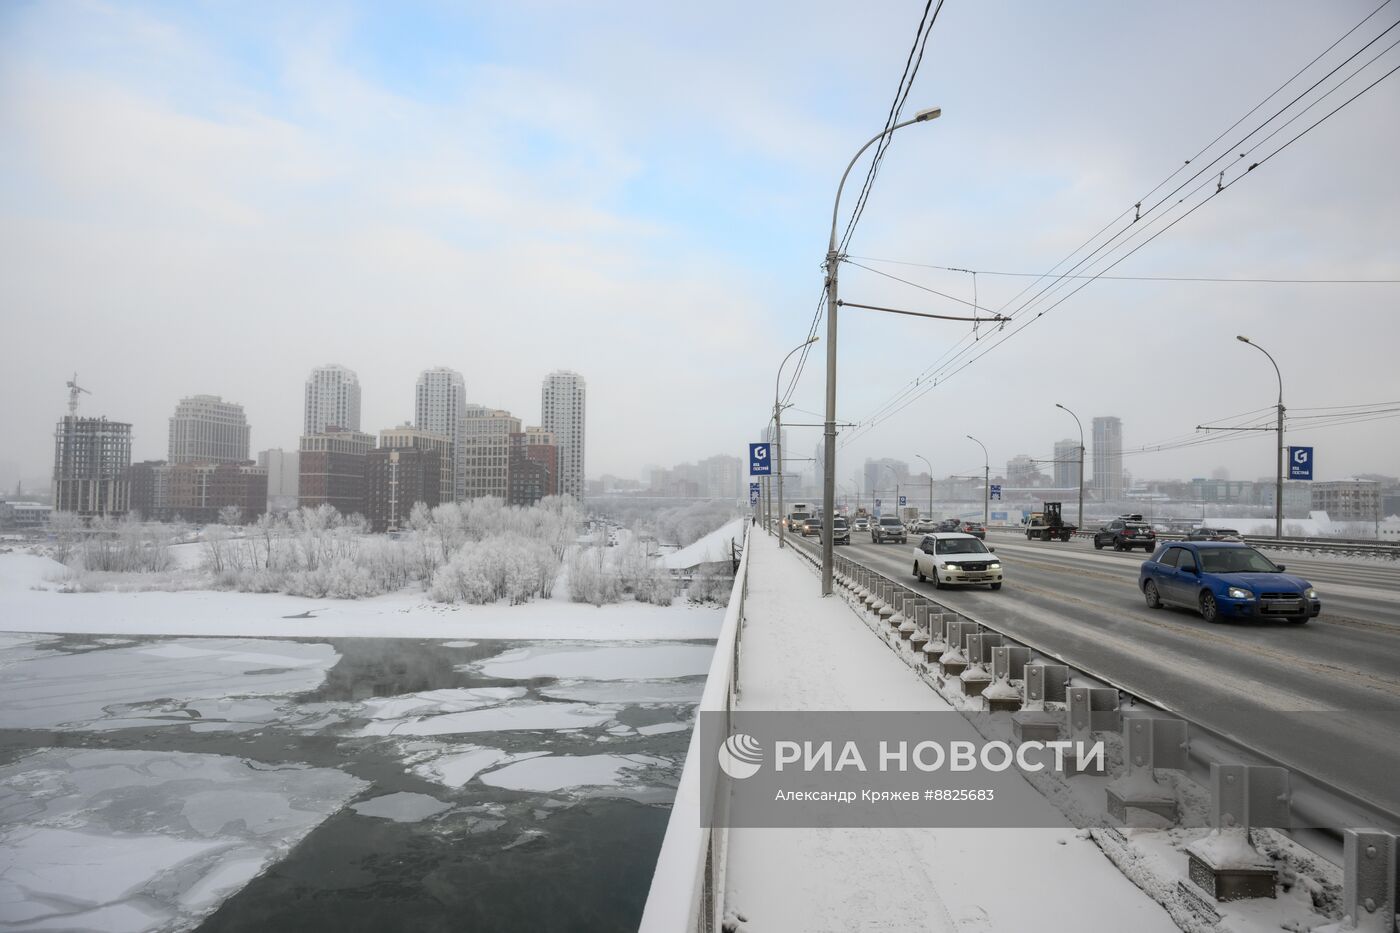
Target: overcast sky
x=214 y=198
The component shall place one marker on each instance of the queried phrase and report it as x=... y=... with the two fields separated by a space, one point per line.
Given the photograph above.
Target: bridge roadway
x=1324 y=697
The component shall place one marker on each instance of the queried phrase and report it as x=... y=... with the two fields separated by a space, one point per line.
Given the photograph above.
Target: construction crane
x=73 y=391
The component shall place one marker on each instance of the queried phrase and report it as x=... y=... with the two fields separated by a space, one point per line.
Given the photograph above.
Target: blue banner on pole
x=994 y=491
x=1300 y=463
x=754 y=493
x=903 y=500
x=759 y=462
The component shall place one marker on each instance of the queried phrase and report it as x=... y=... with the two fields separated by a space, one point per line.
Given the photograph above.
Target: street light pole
x=1281 y=453
x=986 y=482
x=930 y=482
x=1080 y=518
x=778 y=418
x=833 y=260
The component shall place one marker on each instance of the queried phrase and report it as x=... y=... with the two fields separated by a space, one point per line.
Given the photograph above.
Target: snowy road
x=1276 y=686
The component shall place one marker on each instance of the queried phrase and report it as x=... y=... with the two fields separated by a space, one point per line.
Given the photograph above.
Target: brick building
x=332 y=469
x=533 y=471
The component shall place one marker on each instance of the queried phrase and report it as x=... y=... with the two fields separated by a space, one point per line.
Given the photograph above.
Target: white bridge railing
x=687 y=889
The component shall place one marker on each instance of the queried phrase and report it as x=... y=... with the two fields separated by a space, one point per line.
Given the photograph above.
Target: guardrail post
x=1137 y=788
x=937 y=636
x=919 y=637
x=1044 y=683
x=885 y=608
x=954 y=658
x=897 y=597
x=1008 y=667
x=1225 y=863
x=1370 y=889
x=1081 y=732
x=975 y=677
x=906 y=612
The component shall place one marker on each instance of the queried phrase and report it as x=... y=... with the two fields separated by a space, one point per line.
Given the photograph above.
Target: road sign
x=903 y=501
x=754 y=493
x=1300 y=463
x=759 y=462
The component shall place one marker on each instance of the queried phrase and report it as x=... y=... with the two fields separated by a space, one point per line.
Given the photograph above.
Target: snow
x=117 y=687
x=709 y=549
x=401 y=807
x=515 y=716
x=640 y=692
x=143 y=840
x=794 y=642
x=557 y=772
x=405 y=614
x=622 y=662
x=432 y=702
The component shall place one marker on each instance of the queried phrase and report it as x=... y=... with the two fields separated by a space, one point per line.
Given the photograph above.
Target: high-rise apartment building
x=487 y=451
x=880 y=479
x=439 y=406
x=1108 y=458
x=332 y=470
x=1067 y=464
x=332 y=400
x=562 y=410
x=1022 y=472
x=91 y=457
x=206 y=429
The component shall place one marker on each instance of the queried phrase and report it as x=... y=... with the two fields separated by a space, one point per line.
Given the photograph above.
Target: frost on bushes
x=711 y=585
x=479 y=551
x=607 y=575
x=510 y=567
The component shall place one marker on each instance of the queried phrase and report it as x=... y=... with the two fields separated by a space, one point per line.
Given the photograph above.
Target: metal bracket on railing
x=1225 y=864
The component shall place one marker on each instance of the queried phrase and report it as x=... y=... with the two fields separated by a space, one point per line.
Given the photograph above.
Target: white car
x=954 y=559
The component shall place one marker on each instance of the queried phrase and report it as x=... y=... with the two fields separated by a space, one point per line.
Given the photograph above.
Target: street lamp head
x=812 y=339
x=1058 y=405
x=932 y=113
x=1242 y=339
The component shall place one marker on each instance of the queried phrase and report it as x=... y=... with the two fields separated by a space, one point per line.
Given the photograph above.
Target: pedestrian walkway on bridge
x=799 y=651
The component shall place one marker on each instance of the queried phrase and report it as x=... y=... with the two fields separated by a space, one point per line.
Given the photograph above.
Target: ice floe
x=614 y=662
x=142 y=840
x=148 y=685
x=401 y=807
x=557 y=772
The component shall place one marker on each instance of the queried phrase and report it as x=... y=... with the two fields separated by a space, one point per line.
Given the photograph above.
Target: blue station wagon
x=1225 y=580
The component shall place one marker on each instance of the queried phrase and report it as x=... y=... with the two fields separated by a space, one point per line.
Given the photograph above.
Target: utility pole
x=1281 y=454
x=986 y=481
x=833 y=262
x=1080 y=518
x=930 y=482
x=778 y=419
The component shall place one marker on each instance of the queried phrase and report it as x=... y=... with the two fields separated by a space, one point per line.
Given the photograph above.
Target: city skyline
x=332 y=202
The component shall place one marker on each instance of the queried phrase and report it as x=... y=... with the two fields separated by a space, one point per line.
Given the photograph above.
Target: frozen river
x=226 y=784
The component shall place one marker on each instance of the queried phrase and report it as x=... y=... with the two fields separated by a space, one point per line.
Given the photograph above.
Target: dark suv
x=1125 y=534
x=840 y=531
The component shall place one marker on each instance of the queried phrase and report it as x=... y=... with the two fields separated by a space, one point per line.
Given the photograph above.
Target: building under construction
x=90 y=461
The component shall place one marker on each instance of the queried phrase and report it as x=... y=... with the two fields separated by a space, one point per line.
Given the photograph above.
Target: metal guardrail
x=1315 y=800
x=687 y=887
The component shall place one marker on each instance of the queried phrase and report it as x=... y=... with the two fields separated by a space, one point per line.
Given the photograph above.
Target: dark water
x=498 y=860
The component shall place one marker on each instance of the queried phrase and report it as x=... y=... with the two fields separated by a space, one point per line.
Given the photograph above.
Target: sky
x=214 y=198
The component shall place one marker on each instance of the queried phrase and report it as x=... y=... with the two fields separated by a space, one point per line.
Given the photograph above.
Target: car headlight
x=994 y=566
x=1236 y=592
x=1310 y=593
x=953 y=567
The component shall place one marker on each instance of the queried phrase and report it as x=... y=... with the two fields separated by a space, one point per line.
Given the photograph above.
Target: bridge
x=1308 y=716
